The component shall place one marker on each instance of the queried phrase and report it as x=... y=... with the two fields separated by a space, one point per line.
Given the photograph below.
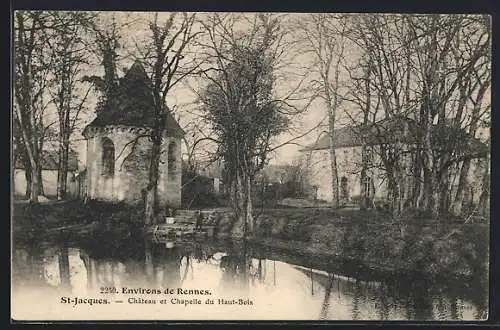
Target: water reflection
x=281 y=285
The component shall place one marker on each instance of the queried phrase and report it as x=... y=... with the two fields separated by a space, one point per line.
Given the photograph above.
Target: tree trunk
x=332 y=104
x=62 y=171
x=363 y=204
x=364 y=150
x=152 y=189
x=27 y=175
x=335 y=178
x=433 y=202
x=248 y=211
x=395 y=200
x=484 y=199
x=442 y=190
x=33 y=158
x=64 y=132
x=241 y=202
x=416 y=189
x=35 y=180
x=462 y=184
x=40 y=181
x=429 y=182
x=238 y=205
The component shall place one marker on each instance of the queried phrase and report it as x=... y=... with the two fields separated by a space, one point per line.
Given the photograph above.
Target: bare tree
x=433 y=39
x=69 y=53
x=31 y=66
x=472 y=89
x=382 y=90
x=324 y=38
x=240 y=102
x=360 y=94
x=165 y=54
x=423 y=73
x=196 y=141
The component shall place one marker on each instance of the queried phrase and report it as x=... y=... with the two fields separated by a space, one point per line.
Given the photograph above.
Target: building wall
x=131 y=172
x=49 y=178
x=320 y=174
x=349 y=166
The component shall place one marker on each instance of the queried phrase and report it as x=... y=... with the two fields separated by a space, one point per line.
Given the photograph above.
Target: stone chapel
x=119 y=149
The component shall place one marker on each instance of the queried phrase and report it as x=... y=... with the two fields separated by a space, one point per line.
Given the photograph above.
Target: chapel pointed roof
x=133 y=104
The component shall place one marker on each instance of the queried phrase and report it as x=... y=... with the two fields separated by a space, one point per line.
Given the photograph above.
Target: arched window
x=172 y=160
x=108 y=157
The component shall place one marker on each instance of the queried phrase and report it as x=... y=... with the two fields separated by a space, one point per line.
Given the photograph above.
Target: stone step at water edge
x=184 y=217
x=193 y=212
x=181 y=220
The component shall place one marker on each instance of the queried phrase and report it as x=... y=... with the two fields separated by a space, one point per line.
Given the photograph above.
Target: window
x=172 y=160
x=344 y=189
x=368 y=186
x=108 y=157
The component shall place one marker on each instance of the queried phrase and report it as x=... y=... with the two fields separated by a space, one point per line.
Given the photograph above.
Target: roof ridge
x=344 y=138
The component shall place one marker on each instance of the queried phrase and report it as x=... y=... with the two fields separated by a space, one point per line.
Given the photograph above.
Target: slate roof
x=343 y=137
x=50 y=159
x=133 y=104
x=389 y=130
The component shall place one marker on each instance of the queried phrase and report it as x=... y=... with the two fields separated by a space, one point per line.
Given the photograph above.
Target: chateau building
x=389 y=133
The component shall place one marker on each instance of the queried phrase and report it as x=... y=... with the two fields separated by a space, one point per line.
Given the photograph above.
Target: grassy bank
x=74 y=219
x=415 y=244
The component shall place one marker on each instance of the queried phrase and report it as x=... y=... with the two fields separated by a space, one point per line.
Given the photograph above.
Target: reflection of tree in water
x=422 y=301
x=377 y=299
x=257 y=270
x=28 y=266
x=90 y=268
x=356 y=300
x=165 y=265
x=441 y=310
x=235 y=266
x=478 y=295
x=64 y=271
x=323 y=315
x=101 y=271
x=417 y=300
x=148 y=262
x=121 y=263
x=382 y=302
x=455 y=313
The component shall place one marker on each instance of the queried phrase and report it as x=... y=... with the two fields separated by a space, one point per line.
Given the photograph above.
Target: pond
x=142 y=279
